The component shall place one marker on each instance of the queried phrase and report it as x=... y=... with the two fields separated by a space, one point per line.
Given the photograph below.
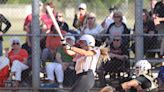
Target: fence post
x=35 y=46
x=139 y=29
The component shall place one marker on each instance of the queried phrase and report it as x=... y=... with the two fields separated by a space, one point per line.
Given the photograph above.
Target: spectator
x=107 y=89
x=28 y=26
x=118 y=28
x=150 y=41
x=80 y=17
x=109 y=19
x=49 y=55
x=52 y=64
x=46 y=22
x=158 y=16
x=86 y=58
x=62 y=24
x=4 y=70
x=158 y=13
x=45 y=18
x=92 y=28
x=2 y=31
x=28 y=19
x=66 y=61
x=118 y=63
x=65 y=58
x=144 y=82
x=18 y=58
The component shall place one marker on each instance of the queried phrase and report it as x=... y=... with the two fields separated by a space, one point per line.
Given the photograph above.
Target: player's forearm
x=82 y=51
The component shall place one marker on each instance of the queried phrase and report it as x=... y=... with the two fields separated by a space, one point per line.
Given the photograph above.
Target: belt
x=84 y=73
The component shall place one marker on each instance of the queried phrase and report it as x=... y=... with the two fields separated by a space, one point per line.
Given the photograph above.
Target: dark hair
x=112 y=8
x=147 y=14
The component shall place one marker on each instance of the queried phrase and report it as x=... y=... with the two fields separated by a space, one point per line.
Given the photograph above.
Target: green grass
x=19 y=1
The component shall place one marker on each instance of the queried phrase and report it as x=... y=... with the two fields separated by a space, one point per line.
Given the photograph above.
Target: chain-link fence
x=44 y=65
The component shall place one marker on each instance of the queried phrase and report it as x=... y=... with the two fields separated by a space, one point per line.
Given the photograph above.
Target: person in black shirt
x=150 y=41
x=61 y=22
x=159 y=12
x=149 y=28
x=2 y=31
x=158 y=16
x=119 y=56
x=118 y=62
x=144 y=82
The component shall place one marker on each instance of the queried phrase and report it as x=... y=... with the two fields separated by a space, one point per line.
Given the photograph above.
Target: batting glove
x=68 y=47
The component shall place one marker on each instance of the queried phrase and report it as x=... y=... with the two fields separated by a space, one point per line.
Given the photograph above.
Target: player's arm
x=71 y=50
x=128 y=85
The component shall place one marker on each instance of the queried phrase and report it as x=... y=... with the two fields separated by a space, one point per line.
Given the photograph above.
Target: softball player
x=86 y=56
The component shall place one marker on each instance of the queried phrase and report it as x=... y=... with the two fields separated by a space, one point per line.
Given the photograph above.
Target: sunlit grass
x=19 y=1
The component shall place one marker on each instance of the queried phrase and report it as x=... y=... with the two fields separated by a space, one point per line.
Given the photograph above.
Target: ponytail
x=105 y=54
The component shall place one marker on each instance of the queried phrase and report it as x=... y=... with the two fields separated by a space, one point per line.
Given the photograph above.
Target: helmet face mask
x=140 y=71
x=82 y=43
x=142 y=67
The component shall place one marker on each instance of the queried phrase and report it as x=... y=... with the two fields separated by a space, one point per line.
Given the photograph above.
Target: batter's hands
x=63 y=42
x=65 y=45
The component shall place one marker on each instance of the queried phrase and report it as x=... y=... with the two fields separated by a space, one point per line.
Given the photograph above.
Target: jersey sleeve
x=143 y=82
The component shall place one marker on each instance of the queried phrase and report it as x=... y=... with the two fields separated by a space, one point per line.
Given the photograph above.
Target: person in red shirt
x=49 y=55
x=18 y=59
x=4 y=70
x=27 y=27
x=52 y=42
x=45 y=18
